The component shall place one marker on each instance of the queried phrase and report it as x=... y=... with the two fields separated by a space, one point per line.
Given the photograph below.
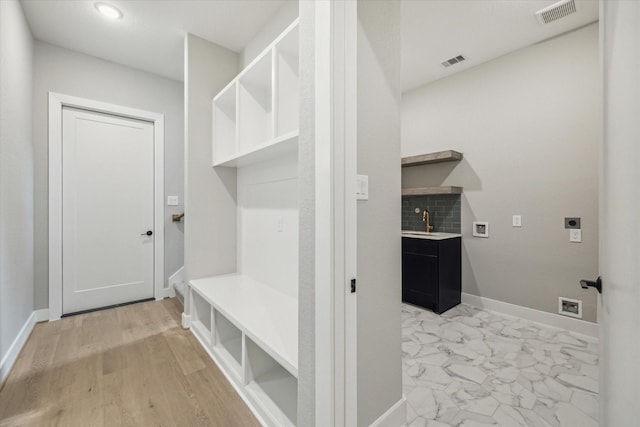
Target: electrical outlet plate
x=575 y=236
x=516 y=220
x=570 y=307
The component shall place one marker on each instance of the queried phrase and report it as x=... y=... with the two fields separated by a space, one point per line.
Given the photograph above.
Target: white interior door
x=107 y=210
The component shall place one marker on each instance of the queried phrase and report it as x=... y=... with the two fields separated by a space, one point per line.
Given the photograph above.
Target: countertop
x=429 y=236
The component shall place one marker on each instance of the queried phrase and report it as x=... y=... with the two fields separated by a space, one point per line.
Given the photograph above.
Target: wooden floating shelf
x=430 y=158
x=430 y=191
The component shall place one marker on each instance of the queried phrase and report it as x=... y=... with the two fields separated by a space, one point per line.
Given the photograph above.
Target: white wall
x=620 y=203
x=16 y=173
x=210 y=193
x=378 y=246
x=529 y=126
x=267 y=194
x=72 y=73
x=280 y=20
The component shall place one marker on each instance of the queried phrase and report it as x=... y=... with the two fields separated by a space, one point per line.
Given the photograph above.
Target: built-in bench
x=251 y=330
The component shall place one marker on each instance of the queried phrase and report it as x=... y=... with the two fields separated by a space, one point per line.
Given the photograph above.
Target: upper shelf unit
x=438 y=157
x=431 y=191
x=431 y=158
x=255 y=117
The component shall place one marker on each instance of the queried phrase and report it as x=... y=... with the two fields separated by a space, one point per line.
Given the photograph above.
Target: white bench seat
x=266 y=316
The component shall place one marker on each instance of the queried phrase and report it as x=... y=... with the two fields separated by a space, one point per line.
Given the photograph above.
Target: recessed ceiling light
x=109 y=11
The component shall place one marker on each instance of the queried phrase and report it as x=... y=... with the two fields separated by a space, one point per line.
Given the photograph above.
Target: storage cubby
x=201 y=322
x=255 y=118
x=225 y=129
x=272 y=386
x=228 y=341
x=286 y=61
x=255 y=100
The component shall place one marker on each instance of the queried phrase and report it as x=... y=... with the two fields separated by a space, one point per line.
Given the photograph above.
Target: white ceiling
x=150 y=37
x=435 y=30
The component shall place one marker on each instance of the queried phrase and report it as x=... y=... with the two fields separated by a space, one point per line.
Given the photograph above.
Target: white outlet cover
x=517 y=220
x=173 y=201
x=575 y=235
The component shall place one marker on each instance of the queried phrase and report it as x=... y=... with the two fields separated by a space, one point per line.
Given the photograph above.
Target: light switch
x=362 y=187
x=279 y=224
x=173 y=200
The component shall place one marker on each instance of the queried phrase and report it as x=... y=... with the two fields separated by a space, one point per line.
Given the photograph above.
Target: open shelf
x=254 y=105
x=273 y=387
x=224 y=116
x=258 y=111
x=228 y=342
x=430 y=158
x=430 y=191
x=201 y=322
x=277 y=147
x=286 y=60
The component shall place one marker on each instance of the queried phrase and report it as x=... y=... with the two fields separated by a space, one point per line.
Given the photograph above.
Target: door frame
x=56 y=103
x=335 y=213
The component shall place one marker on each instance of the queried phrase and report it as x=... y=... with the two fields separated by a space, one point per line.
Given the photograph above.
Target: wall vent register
x=453 y=61
x=556 y=11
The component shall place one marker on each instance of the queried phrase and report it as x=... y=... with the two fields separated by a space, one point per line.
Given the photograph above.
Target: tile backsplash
x=444 y=212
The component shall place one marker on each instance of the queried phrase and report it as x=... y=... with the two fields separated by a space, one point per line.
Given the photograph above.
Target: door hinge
x=353 y=285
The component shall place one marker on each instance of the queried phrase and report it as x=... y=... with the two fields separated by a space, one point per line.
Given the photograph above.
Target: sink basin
x=431 y=236
x=423 y=233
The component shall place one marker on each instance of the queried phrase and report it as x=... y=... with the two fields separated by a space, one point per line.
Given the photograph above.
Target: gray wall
x=378 y=246
x=529 y=126
x=210 y=194
x=280 y=20
x=72 y=73
x=16 y=173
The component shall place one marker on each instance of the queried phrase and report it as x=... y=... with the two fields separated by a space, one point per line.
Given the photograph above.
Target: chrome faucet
x=425 y=218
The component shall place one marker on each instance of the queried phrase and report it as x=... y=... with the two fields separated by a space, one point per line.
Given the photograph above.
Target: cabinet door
x=420 y=279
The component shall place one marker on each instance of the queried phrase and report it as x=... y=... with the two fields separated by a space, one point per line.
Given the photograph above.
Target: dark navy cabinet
x=431 y=273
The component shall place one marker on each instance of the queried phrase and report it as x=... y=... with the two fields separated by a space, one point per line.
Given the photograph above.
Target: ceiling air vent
x=556 y=11
x=455 y=60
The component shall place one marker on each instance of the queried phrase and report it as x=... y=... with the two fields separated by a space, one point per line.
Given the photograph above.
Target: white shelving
x=248 y=321
x=274 y=388
x=201 y=322
x=254 y=340
x=255 y=117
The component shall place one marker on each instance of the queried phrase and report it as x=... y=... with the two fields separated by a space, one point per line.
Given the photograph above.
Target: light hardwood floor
x=127 y=366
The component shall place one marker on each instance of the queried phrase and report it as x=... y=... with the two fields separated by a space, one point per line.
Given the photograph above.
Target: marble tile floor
x=473 y=368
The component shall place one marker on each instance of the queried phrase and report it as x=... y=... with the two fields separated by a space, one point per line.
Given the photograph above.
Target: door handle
x=148 y=233
x=590 y=283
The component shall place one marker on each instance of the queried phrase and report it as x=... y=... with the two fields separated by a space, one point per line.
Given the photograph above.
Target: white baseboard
x=548 y=319
x=166 y=293
x=11 y=355
x=42 y=315
x=396 y=416
x=186 y=321
x=175 y=278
